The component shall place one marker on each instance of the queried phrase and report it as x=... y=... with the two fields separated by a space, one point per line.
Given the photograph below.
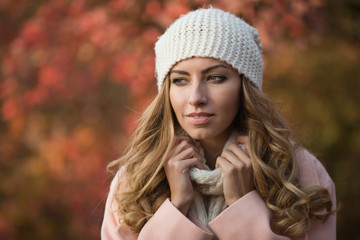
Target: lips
x=199 y=118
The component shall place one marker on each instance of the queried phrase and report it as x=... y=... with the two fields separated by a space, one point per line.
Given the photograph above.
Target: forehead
x=198 y=63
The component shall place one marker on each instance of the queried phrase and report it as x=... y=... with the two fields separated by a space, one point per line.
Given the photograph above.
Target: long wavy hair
x=271 y=152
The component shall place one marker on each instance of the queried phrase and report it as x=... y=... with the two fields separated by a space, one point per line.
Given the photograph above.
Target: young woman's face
x=204 y=94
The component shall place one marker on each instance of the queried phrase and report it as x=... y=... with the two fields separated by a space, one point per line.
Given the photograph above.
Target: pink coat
x=247 y=218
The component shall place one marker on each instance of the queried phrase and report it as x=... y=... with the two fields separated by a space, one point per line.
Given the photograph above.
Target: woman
x=211 y=157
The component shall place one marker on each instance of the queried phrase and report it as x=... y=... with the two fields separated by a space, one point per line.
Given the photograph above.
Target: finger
x=229 y=155
x=186 y=154
x=182 y=146
x=232 y=158
x=241 y=158
x=191 y=152
x=187 y=139
x=226 y=166
x=187 y=164
x=179 y=139
x=238 y=151
x=179 y=147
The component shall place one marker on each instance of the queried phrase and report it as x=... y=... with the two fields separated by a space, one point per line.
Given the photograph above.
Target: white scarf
x=208 y=182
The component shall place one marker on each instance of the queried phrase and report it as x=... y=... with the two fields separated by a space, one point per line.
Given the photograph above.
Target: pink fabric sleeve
x=314 y=173
x=327 y=230
x=249 y=218
x=167 y=223
x=111 y=228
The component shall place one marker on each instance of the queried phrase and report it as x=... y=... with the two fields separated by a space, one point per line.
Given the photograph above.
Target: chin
x=200 y=134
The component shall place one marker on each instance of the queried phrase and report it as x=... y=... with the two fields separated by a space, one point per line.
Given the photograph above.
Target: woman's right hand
x=182 y=158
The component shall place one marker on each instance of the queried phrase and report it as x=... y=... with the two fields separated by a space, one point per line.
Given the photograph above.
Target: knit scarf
x=209 y=198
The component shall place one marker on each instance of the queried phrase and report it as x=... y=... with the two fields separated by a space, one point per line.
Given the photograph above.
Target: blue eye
x=217 y=78
x=178 y=81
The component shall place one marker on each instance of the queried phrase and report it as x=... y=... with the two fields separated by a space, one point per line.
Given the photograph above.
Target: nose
x=198 y=95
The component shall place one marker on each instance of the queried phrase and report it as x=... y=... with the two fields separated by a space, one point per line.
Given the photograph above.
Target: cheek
x=229 y=104
x=175 y=102
x=231 y=107
x=229 y=99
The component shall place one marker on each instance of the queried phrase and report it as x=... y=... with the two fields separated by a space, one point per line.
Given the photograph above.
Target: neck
x=213 y=148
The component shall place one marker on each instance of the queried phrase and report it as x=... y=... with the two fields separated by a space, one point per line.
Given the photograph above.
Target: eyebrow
x=206 y=70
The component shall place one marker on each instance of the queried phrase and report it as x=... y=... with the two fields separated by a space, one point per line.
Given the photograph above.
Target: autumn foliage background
x=75 y=75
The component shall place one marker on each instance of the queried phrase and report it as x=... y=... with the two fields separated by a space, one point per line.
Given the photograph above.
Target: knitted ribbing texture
x=211 y=33
x=209 y=184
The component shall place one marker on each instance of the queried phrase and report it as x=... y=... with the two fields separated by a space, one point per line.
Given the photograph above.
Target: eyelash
x=177 y=81
x=214 y=78
x=221 y=78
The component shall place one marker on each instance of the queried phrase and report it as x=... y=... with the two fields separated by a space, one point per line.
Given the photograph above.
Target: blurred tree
x=75 y=75
x=320 y=85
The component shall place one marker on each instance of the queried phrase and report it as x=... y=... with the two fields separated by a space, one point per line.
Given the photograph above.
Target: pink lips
x=199 y=118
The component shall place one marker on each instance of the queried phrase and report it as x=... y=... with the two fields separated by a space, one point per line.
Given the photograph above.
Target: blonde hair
x=271 y=152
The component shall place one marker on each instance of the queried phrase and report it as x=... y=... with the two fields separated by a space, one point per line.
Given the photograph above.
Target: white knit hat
x=211 y=33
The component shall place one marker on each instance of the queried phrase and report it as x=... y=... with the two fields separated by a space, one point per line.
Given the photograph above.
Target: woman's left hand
x=237 y=171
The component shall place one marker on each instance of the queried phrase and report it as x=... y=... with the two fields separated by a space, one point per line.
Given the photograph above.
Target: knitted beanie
x=211 y=33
